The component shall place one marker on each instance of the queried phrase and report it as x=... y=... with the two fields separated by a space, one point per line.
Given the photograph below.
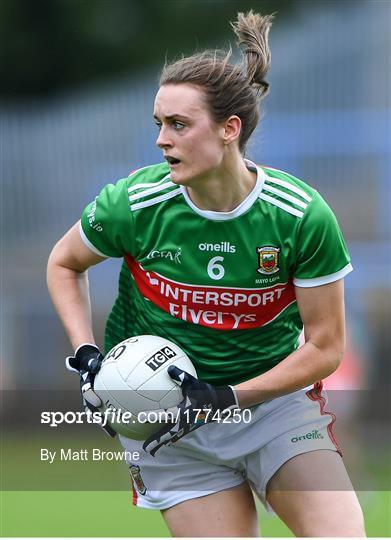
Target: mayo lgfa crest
x=268 y=259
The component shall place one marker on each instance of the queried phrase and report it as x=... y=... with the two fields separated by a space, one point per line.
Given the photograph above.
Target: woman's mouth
x=172 y=161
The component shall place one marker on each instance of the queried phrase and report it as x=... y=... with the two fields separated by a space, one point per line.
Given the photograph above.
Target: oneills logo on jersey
x=137 y=480
x=268 y=260
x=225 y=247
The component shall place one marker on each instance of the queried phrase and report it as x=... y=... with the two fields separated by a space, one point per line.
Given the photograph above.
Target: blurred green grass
x=110 y=513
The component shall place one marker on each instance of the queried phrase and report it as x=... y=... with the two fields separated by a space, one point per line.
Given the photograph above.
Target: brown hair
x=231 y=89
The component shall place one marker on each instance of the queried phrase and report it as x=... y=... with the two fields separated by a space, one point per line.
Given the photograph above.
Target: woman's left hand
x=202 y=403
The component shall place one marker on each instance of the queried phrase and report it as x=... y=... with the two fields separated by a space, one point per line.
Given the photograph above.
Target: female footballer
x=229 y=260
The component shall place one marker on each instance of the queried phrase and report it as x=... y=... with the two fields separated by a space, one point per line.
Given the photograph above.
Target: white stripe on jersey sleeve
x=323 y=280
x=150 y=191
x=146 y=184
x=287 y=185
x=90 y=246
x=281 y=205
x=156 y=200
x=285 y=196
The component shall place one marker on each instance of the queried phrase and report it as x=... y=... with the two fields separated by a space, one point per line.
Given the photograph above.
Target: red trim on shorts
x=315 y=394
x=135 y=495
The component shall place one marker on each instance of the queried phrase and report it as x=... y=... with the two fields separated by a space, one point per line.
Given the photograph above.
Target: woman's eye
x=176 y=125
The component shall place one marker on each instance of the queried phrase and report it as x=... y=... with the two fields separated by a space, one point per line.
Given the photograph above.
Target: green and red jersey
x=219 y=284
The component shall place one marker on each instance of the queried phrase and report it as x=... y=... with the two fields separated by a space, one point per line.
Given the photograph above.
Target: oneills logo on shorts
x=268 y=259
x=137 y=480
x=314 y=434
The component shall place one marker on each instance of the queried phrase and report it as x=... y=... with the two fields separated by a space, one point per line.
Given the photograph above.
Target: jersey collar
x=245 y=205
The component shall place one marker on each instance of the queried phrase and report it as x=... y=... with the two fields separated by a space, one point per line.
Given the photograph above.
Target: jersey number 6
x=216 y=270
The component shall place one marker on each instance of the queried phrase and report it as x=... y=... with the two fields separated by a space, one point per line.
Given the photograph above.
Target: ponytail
x=252 y=30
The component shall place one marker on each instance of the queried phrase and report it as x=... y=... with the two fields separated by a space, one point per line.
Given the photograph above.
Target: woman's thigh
x=229 y=513
x=313 y=495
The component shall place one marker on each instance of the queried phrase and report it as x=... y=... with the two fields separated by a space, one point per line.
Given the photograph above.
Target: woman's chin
x=183 y=178
x=178 y=178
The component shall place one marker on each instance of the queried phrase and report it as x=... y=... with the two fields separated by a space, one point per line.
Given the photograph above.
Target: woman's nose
x=163 y=141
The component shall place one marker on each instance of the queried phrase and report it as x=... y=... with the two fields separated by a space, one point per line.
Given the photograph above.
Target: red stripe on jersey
x=222 y=308
x=315 y=394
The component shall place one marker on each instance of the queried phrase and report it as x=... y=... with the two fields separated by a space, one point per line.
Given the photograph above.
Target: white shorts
x=221 y=456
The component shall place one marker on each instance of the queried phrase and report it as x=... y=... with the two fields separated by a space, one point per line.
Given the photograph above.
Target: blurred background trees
x=50 y=45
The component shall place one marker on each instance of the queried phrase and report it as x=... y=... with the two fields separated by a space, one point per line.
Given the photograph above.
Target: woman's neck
x=225 y=188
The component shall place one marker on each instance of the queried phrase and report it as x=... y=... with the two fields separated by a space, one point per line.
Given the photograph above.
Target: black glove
x=202 y=403
x=86 y=362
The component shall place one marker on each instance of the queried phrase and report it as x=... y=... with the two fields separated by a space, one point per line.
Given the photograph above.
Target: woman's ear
x=232 y=129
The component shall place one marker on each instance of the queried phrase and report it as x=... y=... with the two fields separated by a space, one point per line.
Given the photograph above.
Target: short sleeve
x=322 y=255
x=106 y=223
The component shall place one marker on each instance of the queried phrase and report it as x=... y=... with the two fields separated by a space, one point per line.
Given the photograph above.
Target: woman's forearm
x=300 y=369
x=323 y=315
